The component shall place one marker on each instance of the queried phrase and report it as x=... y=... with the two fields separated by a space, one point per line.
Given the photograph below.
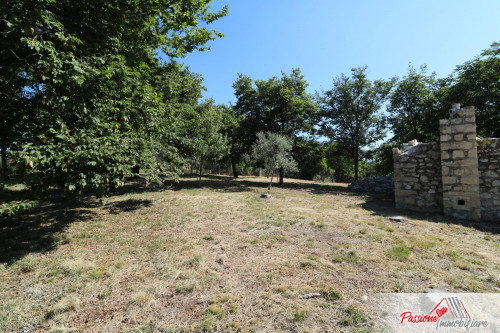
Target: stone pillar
x=459 y=165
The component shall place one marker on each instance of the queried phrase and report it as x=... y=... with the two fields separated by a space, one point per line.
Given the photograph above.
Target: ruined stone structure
x=459 y=176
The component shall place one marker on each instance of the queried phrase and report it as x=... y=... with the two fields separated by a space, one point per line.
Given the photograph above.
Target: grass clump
x=64 y=305
x=399 y=252
x=454 y=256
x=214 y=310
x=332 y=295
x=300 y=316
x=352 y=317
x=207 y=325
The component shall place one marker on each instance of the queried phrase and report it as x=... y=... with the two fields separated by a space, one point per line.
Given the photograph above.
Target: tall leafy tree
x=207 y=142
x=277 y=105
x=413 y=107
x=350 y=112
x=477 y=83
x=102 y=97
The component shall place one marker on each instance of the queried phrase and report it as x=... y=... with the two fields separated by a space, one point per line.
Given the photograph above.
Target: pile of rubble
x=381 y=184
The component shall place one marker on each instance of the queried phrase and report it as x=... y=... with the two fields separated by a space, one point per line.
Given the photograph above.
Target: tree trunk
x=201 y=170
x=135 y=171
x=271 y=183
x=3 y=148
x=235 y=171
x=282 y=175
x=356 y=163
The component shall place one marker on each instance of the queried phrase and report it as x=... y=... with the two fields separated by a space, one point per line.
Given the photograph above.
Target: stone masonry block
x=445 y=137
x=458 y=154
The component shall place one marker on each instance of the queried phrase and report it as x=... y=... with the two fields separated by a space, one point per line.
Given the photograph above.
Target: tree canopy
x=350 y=112
x=277 y=105
x=101 y=97
x=273 y=151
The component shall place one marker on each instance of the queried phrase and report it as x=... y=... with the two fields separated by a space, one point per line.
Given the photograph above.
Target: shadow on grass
x=383 y=205
x=127 y=205
x=230 y=184
x=39 y=229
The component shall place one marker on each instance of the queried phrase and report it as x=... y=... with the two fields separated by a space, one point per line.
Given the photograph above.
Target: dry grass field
x=212 y=256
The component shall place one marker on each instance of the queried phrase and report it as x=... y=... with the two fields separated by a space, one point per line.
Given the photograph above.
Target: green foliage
x=333 y=295
x=204 y=126
x=383 y=159
x=300 y=316
x=399 y=252
x=308 y=154
x=352 y=317
x=413 y=107
x=350 y=112
x=341 y=163
x=13 y=209
x=325 y=172
x=99 y=99
x=272 y=150
x=277 y=105
x=476 y=83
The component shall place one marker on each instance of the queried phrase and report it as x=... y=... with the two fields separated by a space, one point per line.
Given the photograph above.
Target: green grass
x=300 y=316
x=399 y=252
x=332 y=295
x=352 y=317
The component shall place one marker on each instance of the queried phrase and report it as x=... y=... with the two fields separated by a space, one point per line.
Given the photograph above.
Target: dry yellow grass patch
x=213 y=256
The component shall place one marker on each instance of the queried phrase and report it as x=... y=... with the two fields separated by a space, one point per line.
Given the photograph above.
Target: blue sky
x=328 y=37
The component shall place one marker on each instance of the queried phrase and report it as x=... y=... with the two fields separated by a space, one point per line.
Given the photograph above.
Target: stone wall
x=417 y=176
x=488 y=151
x=459 y=164
x=459 y=176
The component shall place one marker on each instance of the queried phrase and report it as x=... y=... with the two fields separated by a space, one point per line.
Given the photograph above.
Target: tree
x=308 y=153
x=207 y=142
x=102 y=98
x=277 y=105
x=413 y=107
x=233 y=128
x=476 y=83
x=273 y=151
x=349 y=112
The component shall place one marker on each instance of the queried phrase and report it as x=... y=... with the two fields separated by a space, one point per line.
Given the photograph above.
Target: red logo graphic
x=449 y=312
x=441 y=311
x=455 y=305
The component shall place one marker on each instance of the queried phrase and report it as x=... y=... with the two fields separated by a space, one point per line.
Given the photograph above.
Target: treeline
x=91 y=90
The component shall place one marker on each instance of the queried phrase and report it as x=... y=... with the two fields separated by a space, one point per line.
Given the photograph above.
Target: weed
x=195 y=261
x=453 y=256
x=398 y=287
x=218 y=312
x=208 y=237
x=312 y=257
x=97 y=274
x=332 y=295
x=352 y=317
x=399 y=252
x=233 y=308
x=300 y=316
x=207 y=324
